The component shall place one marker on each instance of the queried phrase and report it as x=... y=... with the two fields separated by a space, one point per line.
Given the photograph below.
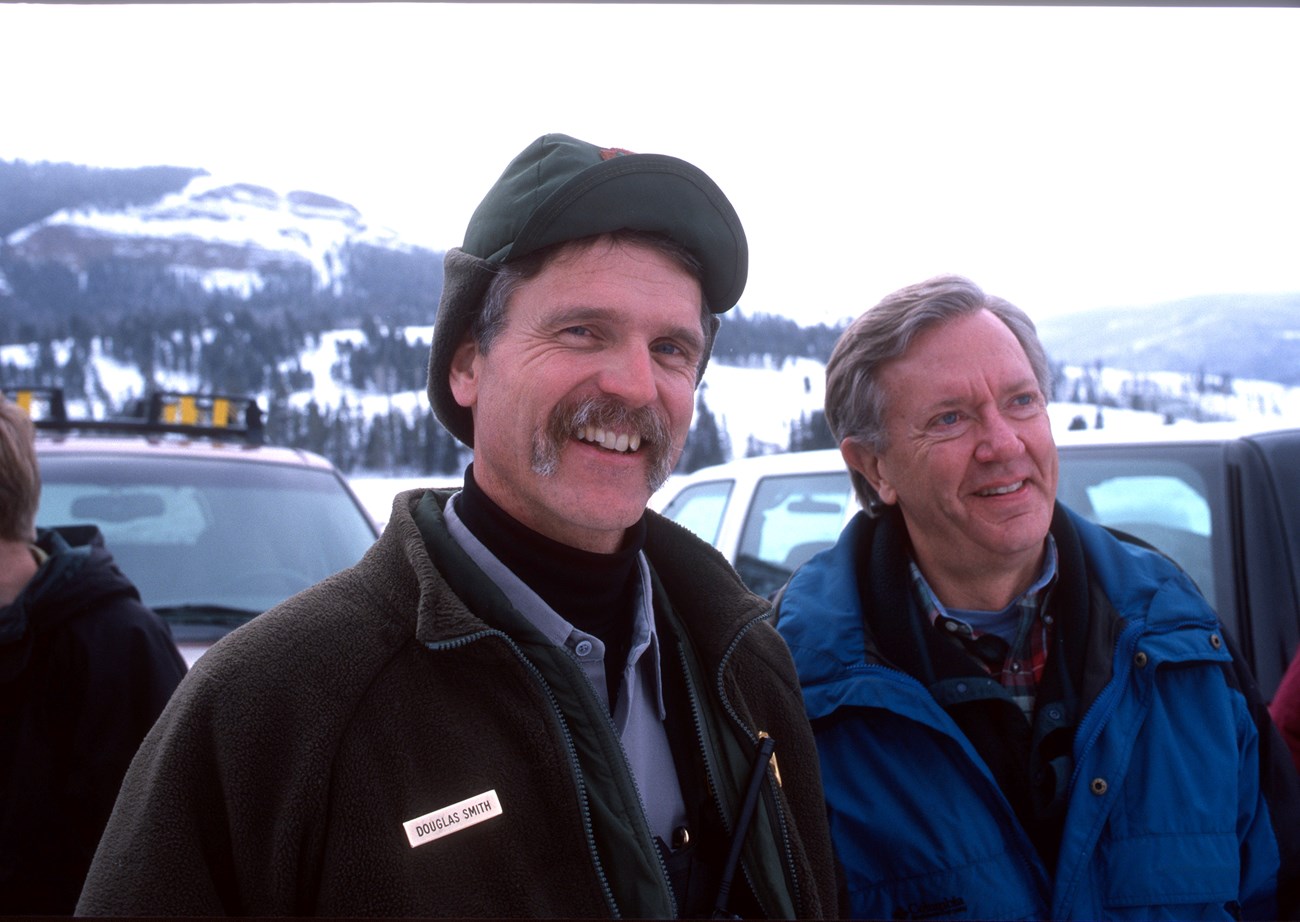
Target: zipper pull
x=747 y=807
x=776 y=769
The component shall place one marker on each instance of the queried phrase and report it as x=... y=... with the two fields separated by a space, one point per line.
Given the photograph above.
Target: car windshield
x=209 y=541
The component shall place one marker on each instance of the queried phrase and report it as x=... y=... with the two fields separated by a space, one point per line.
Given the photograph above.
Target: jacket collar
x=834 y=624
x=452 y=589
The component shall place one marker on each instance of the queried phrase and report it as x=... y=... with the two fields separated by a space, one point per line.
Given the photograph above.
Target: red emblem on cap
x=609 y=153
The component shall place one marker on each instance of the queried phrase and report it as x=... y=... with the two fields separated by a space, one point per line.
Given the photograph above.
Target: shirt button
x=1015 y=667
x=952 y=626
x=583 y=648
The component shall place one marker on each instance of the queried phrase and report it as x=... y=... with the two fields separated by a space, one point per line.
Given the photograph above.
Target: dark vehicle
x=211 y=525
x=1222 y=501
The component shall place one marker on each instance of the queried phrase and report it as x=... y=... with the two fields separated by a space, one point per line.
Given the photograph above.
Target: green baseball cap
x=559 y=189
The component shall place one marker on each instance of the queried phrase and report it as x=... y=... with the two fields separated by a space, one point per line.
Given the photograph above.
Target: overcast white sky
x=1063 y=157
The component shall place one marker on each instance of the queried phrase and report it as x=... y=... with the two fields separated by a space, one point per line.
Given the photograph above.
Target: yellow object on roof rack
x=212 y=415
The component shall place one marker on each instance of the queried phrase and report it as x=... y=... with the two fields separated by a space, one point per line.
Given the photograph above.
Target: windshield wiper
x=206 y=613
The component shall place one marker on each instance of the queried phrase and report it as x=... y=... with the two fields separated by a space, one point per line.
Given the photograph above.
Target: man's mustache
x=603 y=412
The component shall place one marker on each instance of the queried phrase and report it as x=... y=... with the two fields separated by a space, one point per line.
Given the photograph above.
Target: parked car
x=211 y=525
x=1221 y=501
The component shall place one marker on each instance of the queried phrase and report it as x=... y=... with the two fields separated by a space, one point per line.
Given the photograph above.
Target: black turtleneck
x=595 y=593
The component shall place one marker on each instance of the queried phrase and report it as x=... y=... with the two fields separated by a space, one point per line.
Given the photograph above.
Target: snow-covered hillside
x=223 y=235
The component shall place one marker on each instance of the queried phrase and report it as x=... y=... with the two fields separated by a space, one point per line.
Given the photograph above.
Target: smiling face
x=583 y=400
x=969 y=459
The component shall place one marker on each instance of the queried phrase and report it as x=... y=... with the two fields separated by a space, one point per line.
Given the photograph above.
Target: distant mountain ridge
x=32 y=191
x=121 y=242
x=1243 y=336
x=224 y=235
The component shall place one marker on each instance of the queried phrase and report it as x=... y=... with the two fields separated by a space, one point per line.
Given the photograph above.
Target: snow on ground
x=328 y=392
x=763 y=402
x=376 y=491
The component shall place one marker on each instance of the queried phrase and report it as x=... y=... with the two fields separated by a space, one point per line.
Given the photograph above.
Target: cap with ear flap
x=560 y=189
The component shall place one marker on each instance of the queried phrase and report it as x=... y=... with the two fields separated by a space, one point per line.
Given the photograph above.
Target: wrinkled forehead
x=971 y=355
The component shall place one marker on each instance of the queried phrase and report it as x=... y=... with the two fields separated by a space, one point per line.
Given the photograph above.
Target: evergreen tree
x=706 y=444
x=811 y=432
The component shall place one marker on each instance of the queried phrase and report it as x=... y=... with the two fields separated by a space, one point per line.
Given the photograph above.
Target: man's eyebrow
x=1022 y=385
x=582 y=313
x=945 y=403
x=692 y=335
x=1019 y=386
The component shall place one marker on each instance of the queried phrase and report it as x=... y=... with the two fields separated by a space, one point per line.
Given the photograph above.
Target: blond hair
x=20 y=476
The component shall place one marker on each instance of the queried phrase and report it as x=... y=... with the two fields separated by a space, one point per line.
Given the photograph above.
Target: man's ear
x=463 y=373
x=866 y=462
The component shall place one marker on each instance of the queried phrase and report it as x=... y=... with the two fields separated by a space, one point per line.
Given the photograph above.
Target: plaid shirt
x=1017 y=666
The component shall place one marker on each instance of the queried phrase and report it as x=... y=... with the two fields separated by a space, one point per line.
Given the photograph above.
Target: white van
x=1211 y=496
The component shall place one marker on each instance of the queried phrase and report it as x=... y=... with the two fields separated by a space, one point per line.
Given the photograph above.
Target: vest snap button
x=1098 y=786
x=1140 y=660
x=1215 y=641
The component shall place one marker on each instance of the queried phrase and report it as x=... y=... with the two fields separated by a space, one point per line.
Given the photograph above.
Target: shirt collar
x=644 y=650
x=1030 y=600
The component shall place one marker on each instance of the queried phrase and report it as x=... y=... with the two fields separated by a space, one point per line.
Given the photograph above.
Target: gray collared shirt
x=639 y=718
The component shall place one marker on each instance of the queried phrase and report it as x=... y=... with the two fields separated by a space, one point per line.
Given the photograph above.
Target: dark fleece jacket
x=85 y=668
x=279 y=779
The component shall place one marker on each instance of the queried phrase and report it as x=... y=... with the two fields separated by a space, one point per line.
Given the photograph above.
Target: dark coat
x=85 y=669
x=280 y=779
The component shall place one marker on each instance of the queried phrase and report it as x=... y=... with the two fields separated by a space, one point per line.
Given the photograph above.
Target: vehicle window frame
x=1206 y=461
x=689 y=493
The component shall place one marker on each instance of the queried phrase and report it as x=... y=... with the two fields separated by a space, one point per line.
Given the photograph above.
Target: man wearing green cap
x=532 y=697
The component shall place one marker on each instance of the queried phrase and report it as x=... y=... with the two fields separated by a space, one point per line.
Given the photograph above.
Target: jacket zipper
x=631 y=777
x=569 y=746
x=1026 y=853
x=1095 y=718
x=771 y=797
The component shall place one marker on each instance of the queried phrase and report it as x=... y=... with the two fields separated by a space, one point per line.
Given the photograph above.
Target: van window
x=1162 y=501
x=700 y=507
x=790 y=519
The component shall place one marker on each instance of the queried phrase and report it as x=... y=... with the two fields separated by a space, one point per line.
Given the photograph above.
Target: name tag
x=458 y=816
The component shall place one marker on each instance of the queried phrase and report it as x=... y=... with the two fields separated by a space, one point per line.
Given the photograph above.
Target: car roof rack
x=221 y=416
